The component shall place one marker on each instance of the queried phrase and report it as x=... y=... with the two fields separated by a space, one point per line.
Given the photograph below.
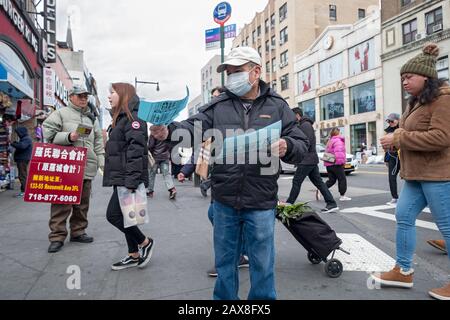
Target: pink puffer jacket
x=336 y=146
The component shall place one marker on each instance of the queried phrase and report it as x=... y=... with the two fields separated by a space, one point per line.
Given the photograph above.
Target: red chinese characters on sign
x=56 y=174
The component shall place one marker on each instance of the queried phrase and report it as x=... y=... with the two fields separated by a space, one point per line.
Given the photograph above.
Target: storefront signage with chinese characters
x=56 y=174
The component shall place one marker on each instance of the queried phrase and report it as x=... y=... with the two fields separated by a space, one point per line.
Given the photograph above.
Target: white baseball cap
x=240 y=56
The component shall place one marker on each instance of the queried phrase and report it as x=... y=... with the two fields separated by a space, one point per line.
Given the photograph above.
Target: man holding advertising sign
x=75 y=126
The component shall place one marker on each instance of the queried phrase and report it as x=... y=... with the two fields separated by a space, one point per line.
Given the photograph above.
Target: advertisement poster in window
x=331 y=70
x=362 y=57
x=306 y=80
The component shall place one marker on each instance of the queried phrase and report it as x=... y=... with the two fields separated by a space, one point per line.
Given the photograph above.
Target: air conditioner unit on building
x=273 y=48
x=282 y=65
x=419 y=36
x=281 y=42
x=437 y=27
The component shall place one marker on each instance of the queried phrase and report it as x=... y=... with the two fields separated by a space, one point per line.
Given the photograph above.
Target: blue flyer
x=162 y=113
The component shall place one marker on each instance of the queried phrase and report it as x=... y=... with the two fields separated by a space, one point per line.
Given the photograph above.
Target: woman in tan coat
x=424 y=143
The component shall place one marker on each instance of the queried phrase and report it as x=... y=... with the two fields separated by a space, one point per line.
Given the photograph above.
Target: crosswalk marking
x=364 y=256
x=377 y=213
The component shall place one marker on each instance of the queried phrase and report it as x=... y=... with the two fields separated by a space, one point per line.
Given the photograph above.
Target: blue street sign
x=222 y=13
x=213 y=35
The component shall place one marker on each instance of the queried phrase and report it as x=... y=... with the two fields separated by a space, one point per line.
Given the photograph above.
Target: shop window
x=358 y=137
x=363 y=98
x=332 y=106
x=309 y=108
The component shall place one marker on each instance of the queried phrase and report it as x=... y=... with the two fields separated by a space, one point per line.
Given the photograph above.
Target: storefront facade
x=21 y=63
x=339 y=83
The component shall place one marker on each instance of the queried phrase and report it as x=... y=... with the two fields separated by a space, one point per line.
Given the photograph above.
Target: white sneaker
x=393 y=202
x=344 y=198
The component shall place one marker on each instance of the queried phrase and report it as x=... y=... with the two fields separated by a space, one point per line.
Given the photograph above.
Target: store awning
x=13 y=84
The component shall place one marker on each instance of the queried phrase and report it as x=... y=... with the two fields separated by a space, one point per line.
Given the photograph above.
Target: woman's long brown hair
x=126 y=92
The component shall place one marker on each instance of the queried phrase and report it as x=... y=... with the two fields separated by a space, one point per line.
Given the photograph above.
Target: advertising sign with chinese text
x=56 y=174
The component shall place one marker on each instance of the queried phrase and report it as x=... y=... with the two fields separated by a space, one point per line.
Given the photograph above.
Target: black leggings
x=337 y=173
x=114 y=215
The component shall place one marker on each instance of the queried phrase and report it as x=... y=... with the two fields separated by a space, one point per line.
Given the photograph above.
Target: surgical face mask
x=238 y=83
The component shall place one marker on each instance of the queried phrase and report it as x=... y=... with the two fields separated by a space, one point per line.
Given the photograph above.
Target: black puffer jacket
x=126 y=162
x=311 y=158
x=243 y=186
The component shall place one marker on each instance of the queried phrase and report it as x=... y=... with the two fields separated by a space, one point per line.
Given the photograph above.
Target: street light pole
x=145 y=82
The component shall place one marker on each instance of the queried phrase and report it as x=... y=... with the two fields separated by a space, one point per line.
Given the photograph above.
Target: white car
x=350 y=166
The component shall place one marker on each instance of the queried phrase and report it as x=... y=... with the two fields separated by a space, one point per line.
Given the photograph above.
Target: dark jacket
x=243 y=186
x=24 y=147
x=159 y=149
x=394 y=153
x=126 y=162
x=311 y=158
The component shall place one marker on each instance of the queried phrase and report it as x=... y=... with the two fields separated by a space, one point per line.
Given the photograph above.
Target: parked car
x=350 y=166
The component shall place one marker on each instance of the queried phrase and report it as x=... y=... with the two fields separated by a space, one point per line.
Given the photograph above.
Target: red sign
x=56 y=174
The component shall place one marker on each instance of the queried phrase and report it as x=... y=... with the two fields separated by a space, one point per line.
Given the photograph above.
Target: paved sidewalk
x=183 y=253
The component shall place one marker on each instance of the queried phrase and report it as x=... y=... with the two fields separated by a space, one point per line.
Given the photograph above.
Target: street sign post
x=222 y=13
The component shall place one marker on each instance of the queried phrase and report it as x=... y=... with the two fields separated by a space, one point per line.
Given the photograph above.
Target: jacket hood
x=22 y=132
x=133 y=105
x=342 y=138
x=306 y=119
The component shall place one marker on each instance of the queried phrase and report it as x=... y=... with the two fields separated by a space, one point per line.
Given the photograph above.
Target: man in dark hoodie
x=309 y=166
x=22 y=157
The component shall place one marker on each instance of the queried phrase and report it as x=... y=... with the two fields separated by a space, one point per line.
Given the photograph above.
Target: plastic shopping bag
x=133 y=206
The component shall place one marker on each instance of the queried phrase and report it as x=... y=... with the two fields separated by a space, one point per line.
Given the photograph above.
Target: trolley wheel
x=313 y=258
x=334 y=268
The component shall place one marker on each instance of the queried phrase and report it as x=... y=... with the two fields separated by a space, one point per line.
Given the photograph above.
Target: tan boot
x=441 y=293
x=438 y=244
x=395 y=278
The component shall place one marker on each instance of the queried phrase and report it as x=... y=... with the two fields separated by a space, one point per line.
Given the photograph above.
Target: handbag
x=151 y=160
x=329 y=157
x=202 y=167
x=133 y=206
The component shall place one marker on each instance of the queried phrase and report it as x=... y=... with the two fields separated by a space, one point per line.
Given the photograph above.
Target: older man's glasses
x=83 y=96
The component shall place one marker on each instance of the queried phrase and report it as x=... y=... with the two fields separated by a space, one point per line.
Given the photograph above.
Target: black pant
x=394 y=169
x=314 y=175
x=22 y=166
x=114 y=215
x=337 y=173
x=206 y=184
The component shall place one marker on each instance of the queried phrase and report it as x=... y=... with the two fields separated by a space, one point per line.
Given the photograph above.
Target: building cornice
x=437 y=37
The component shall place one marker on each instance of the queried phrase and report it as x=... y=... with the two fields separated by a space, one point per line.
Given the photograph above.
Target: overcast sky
x=152 y=40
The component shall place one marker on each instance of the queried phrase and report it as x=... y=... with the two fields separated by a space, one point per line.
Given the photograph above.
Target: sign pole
x=222 y=50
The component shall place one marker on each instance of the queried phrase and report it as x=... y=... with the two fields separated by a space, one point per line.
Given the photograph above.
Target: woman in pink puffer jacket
x=336 y=172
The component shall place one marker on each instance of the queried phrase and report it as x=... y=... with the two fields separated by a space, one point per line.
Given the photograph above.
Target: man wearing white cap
x=61 y=128
x=245 y=197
